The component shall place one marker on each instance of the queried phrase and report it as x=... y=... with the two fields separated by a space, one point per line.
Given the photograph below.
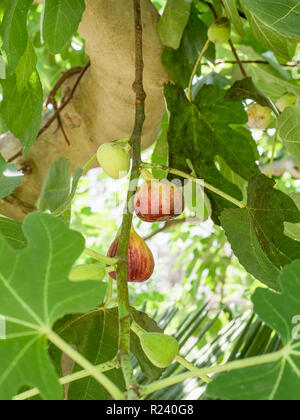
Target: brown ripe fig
x=140 y=262
x=158 y=201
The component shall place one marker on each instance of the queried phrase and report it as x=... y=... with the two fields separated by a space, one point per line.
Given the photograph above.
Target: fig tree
x=140 y=261
x=157 y=201
x=289 y=99
x=114 y=160
x=220 y=31
x=259 y=116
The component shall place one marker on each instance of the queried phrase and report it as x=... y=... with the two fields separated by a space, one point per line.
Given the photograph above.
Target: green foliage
x=180 y=62
x=200 y=131
x=57 y=186
x=11 y=231
x=10 y=178
x=173 y=22
x=289 y=129
x=32 y=299
x=90 y=334
x=14 y=32
x=279 y=380
x=23 y=115
x=61 y=20
x=232 y=12
x=284 y=17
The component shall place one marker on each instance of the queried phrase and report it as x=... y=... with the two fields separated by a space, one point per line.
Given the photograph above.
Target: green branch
x=200 y=373
x=196 y=180
x=135 y=141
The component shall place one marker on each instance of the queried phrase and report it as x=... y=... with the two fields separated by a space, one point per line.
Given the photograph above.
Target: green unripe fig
x=160 y=349
x=87 y=272
x=114 y=160
x=220 y=31
x=259 y=116
x=289 y=99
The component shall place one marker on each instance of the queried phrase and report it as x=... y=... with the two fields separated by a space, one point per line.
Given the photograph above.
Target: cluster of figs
x=154 y=201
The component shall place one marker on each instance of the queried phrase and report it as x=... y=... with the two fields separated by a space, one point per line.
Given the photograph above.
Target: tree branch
x=65 y=102
x=135 y=141
x=243 y=71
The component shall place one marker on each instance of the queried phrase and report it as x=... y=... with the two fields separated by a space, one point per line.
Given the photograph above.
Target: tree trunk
x=102 y=108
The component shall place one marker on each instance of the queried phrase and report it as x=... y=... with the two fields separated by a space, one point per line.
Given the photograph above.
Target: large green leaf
x=34 y=293
x=289 y=131
x=23 y=115
x=245 y=89
x=200 y=131
x=14 y=31
x=180 y=62
x=10 y=178
x=173 y=22
x=293 y=229
x=269 y=80
x=261 y=230
x=247 y=248
x=282 y=16
x=160 y=155
x=11 y=230
x=95 y=336
x=57 y=185
x=268 y=36
x=26 y=66
x=232 y=12
x=60 y=22
x=278 y=380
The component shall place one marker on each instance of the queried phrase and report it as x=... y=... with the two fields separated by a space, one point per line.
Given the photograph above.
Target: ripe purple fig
x=140 y=262
x=158 y=201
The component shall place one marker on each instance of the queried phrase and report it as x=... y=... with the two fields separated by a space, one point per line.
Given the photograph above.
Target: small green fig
x=87 y=272
x=161 y=349
x=220 y=31
x=114 y=160
x=259 y=116
x=289 y=99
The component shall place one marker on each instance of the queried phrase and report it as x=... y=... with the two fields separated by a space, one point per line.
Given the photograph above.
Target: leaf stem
x=235 y=53
x=236 y=365
x=198 y=62
x=196 y=180
x=183 y=362
x=85 y=364
x=88 y=164
x=104 y=367
x=101 y=258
